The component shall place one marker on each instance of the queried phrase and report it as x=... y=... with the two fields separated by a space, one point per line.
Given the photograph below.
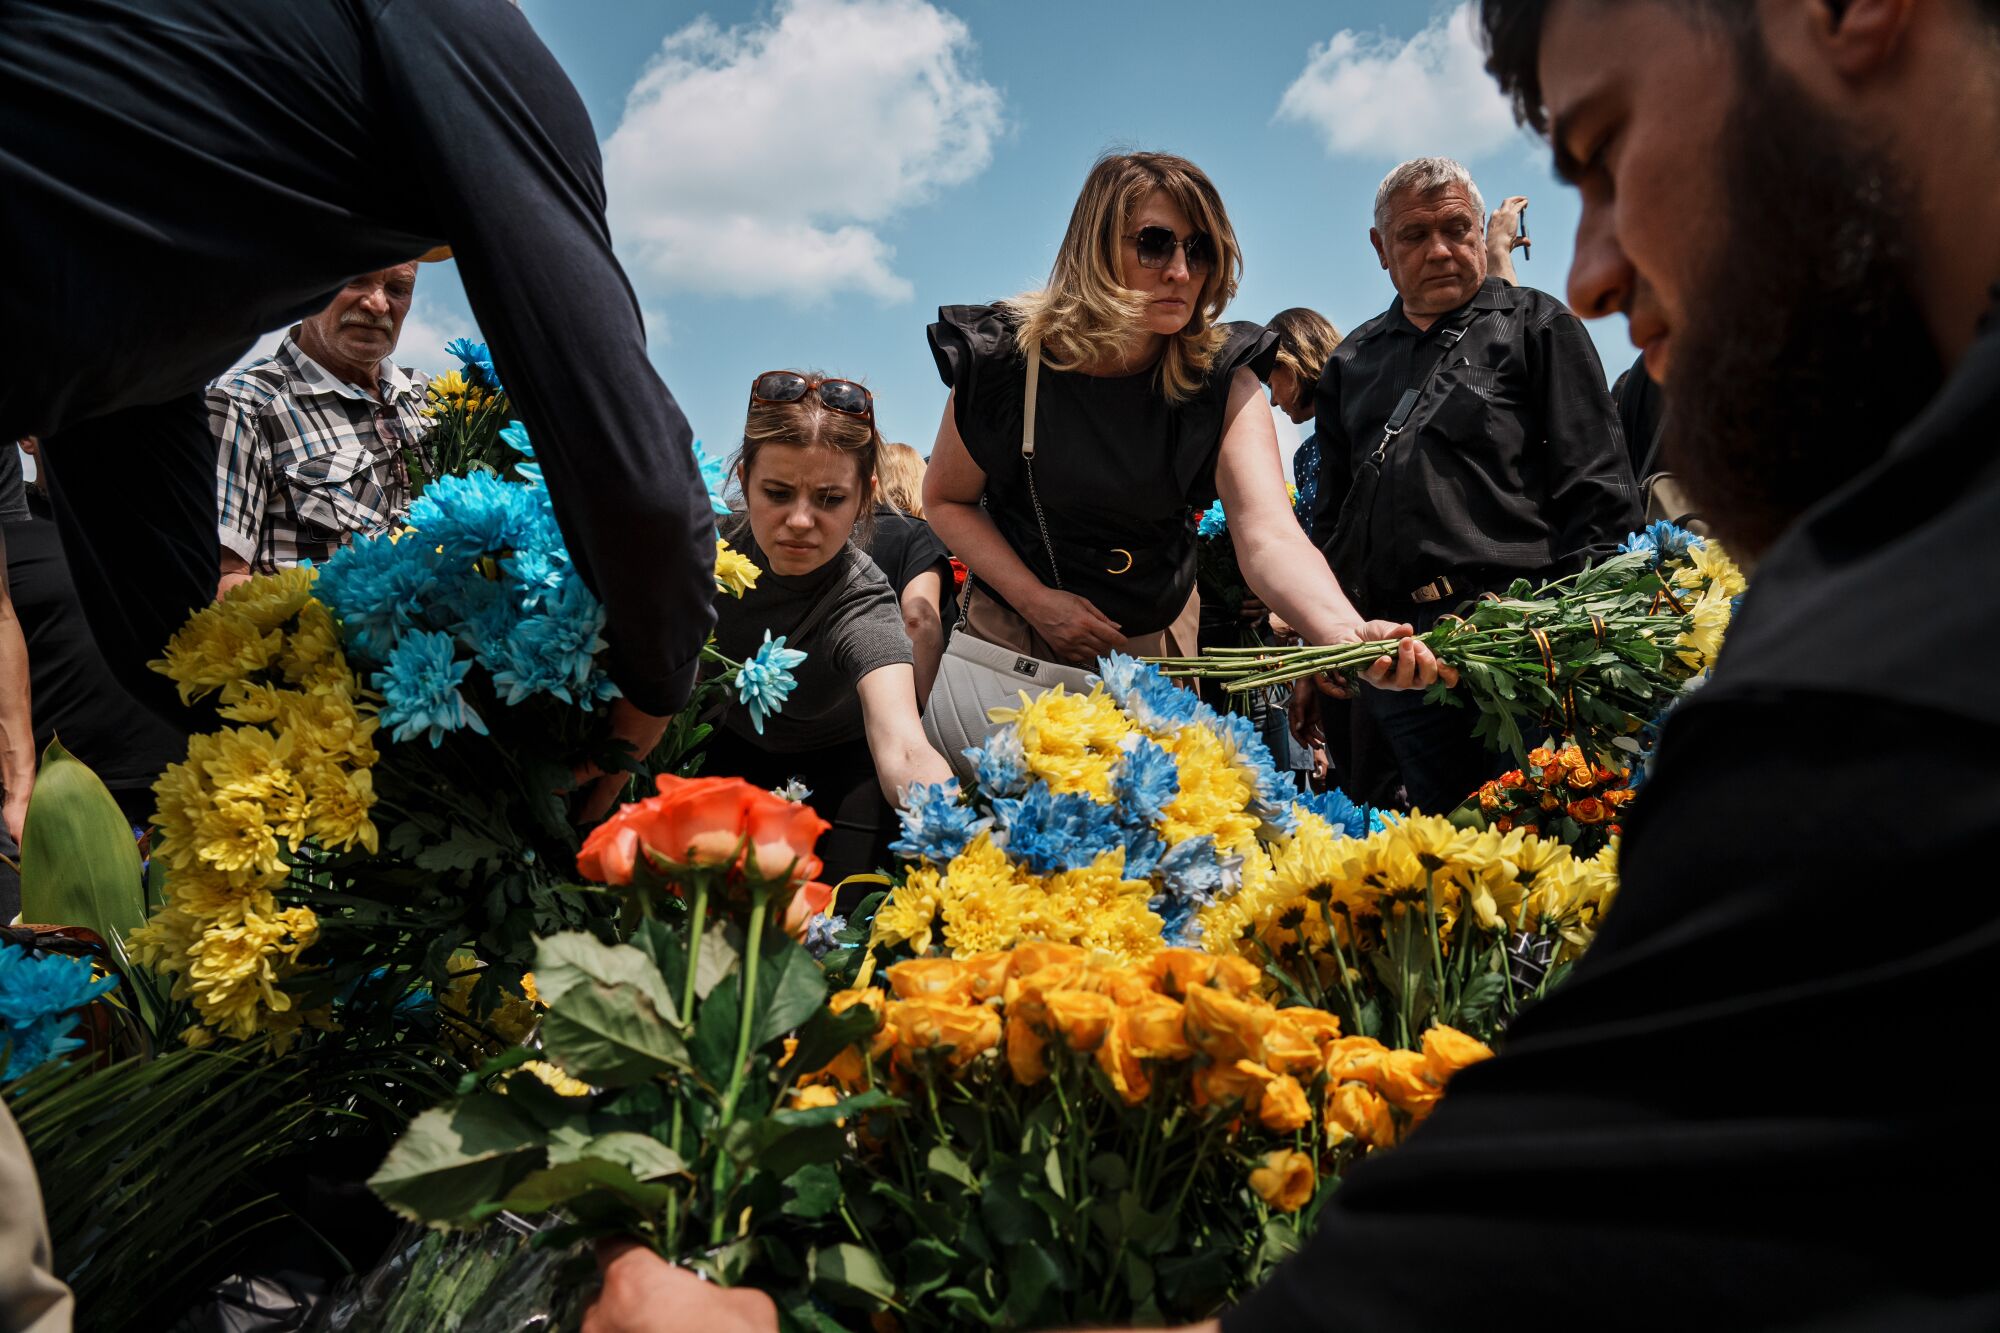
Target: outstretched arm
x=17 y=727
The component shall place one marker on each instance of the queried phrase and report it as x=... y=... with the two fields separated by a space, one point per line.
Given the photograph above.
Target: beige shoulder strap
x=1028 y=404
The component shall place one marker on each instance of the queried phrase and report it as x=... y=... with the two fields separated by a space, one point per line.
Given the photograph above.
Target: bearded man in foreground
x=1748 y=1103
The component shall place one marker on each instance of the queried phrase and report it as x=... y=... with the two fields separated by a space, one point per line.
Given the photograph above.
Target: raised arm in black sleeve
x=512 y=167
x=1592 y=501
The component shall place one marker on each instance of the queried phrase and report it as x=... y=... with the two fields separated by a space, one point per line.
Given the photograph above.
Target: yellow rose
x=1284 y=1108
x=1447 y=1050
x=1322 y=1027
x=1154 y=1029
x=1289 y=1045
x=1285 y=1180
x=1025 y=992
x=1357 y=1058
x=931 y=978
x=970 y=1030
x=1224 y=1026
x=1238 y=976
x=1037 y=954
x=1403 y=1082
x=1358 y=1110
x=1178 y=971
x=986 y=974
x=1081 y=1016
x=1236 y=1080
x=1122 y=1064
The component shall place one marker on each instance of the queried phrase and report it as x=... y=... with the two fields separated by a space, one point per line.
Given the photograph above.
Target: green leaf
x=1009 y=1216
x=790 y=987
x=463 y=850
x=844 y=1272
x=1052 y=1169
x=565 y=961
x=826 y=1034
x=1033 y=1280
x=611 y=1036
x=715 y=1024
x=1109 y=1170
x=643 y=1155
x=79 y=864
x=718 y=958
x=456 y=1157
x=565 y=1184
x=951 y=1166
x=815 y=1190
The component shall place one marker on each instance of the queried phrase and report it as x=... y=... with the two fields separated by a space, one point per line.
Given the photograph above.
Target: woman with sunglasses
x=849 y=730
x=1147 y=409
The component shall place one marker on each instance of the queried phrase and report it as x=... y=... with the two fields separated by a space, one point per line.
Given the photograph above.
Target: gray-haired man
x=1466 y=440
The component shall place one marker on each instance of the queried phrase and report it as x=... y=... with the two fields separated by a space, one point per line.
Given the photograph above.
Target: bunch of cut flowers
x=1593 y=656
x=1558 y=793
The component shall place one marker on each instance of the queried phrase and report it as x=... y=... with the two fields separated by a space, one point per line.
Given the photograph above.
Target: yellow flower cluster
x=296 y=767
x=1070 y=740
x=1714 y=576
x=982 y=901
x=735 y=572
x=1314 y=888
x=453 y=392
x=1179 y=1015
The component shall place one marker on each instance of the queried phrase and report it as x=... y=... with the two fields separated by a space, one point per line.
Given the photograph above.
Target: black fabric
x=1724 y=1118
x=13 y=489
x=1119 y=469
x=76 y=699
x=1513 y=466
x=134 y=497
x=1641 y=413
x=903 y=547
x=180 y=176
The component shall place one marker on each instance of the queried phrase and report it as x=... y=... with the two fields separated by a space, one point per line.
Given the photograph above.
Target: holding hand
x=641 y=731
x=643 y=1293
x=1075 y=629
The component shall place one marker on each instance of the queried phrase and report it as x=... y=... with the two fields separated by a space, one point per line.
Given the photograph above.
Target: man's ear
x=1858 y=37
x=1375 y=239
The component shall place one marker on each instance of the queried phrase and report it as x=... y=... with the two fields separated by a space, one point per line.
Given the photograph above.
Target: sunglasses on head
x=1156 y=247
x=788 y=386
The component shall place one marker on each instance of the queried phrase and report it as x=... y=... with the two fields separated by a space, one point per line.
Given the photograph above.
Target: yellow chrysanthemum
x=1214 y=796
x=337 y=813
x=735 y=572
x=211 y=650
x=1070 y=740
x=1709 y=566
x=268 y=600
x=1702 y=640
x=910 y=911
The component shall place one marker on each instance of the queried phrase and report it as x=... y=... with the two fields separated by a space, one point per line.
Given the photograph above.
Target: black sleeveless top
x=1122 y=473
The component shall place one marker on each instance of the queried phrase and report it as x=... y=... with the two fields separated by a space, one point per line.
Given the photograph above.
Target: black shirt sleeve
x=1759 y=1052
x=1593 y=503
x=511 y=165
x=1336 y=466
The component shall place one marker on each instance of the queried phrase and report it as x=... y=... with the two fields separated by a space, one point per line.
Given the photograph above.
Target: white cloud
x=1371 y=95
x=757 y=161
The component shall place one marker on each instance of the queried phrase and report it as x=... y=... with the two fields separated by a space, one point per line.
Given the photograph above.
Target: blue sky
x=803 y=183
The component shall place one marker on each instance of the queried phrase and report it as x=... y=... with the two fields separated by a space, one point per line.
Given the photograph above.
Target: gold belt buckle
x=1435 y=591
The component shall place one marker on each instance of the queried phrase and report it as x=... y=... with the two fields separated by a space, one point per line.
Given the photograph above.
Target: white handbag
x=974 y=677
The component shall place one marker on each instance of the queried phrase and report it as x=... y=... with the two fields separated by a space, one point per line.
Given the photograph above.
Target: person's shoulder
x=1361 y=335
x=988 y=330
x=1538 y=309
x=1245 y=344
x=255 y=385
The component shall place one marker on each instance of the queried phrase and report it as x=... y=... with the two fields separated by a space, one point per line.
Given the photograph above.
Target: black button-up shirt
x=179 y=176
x=1512 y=464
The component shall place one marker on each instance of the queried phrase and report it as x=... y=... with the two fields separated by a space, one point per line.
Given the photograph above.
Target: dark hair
x=1306 y=340
x=1513 y=31
x=811 y=424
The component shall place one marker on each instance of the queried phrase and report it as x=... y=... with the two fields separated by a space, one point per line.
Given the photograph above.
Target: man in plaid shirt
x=310 y=442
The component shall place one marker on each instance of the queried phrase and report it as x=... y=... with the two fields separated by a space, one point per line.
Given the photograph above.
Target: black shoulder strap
x=1406 y=406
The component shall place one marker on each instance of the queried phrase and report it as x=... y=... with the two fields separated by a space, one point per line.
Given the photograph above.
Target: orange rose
x=1179 y=971
x=1035 y=955
x=969 y=1030
x=1285 y=1180
x=1025 y=992
x=1081 y=1017
x=1551 y=801
x=807 y=903
x=1236 y=1080
x=1225 y=1027
x=1026 y=1049
x=1447 y=1050
x=882 y=1039
x=1122 y=1065
x=931 y=979
x=1153 y=1029
x=806 y=1099
x=1356 y=1058
x=1284 y=1108
x=1238 y=976
x=1403 y=1081
x=1289 y=1046
x=1358 y=1110
x=1541 y=756
x=1318 y=1024
x=705 y=822
x=986 y=974
x=1589 y=810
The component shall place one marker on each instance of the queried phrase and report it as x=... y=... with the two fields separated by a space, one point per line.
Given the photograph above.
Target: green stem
x=1437 y=951
x=760 y=902
x=697 y=921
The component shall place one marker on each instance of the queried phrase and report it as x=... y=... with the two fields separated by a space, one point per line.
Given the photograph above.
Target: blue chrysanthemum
x=468 y=517
x=1276 y=788
x=1213 y=521
x=820 y=931
x=936 y=825
x=555 y=651
x=1666 y=542
x=715 y=476
x=766 y=680
x=1049 y=832
x=478 y=363
x=1001 y=765
x=1349 y=818
x=420 y=689
x=1155 y=703
x=1144 y=849
x=1146 y=781
x=379 y=590
x=38 y=1000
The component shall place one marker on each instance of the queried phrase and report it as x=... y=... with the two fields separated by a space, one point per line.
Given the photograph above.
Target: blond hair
x=899 y=471
x=1306 y=340
x=1086 y=316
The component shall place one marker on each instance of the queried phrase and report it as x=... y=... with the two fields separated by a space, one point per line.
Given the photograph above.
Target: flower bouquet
x=1592 y=656
x=1558 y=794
x=468 y=411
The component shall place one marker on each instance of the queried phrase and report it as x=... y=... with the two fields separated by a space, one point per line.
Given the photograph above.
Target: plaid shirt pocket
x=336 y=493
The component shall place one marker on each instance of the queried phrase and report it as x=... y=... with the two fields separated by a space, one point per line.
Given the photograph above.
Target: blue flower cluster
x=936 y=825
x=1666 y=542
x=715 y=476
x=38 y=1000
x=477 y=363
x=1213 y=522
x=485 y=581
x=1348 y=817
x=765 y=681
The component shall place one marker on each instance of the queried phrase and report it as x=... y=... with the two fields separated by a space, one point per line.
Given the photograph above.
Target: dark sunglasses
x=1156 y=249
x=786 y=386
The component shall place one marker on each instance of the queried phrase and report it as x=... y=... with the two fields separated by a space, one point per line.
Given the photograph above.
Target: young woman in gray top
x=849 y=730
